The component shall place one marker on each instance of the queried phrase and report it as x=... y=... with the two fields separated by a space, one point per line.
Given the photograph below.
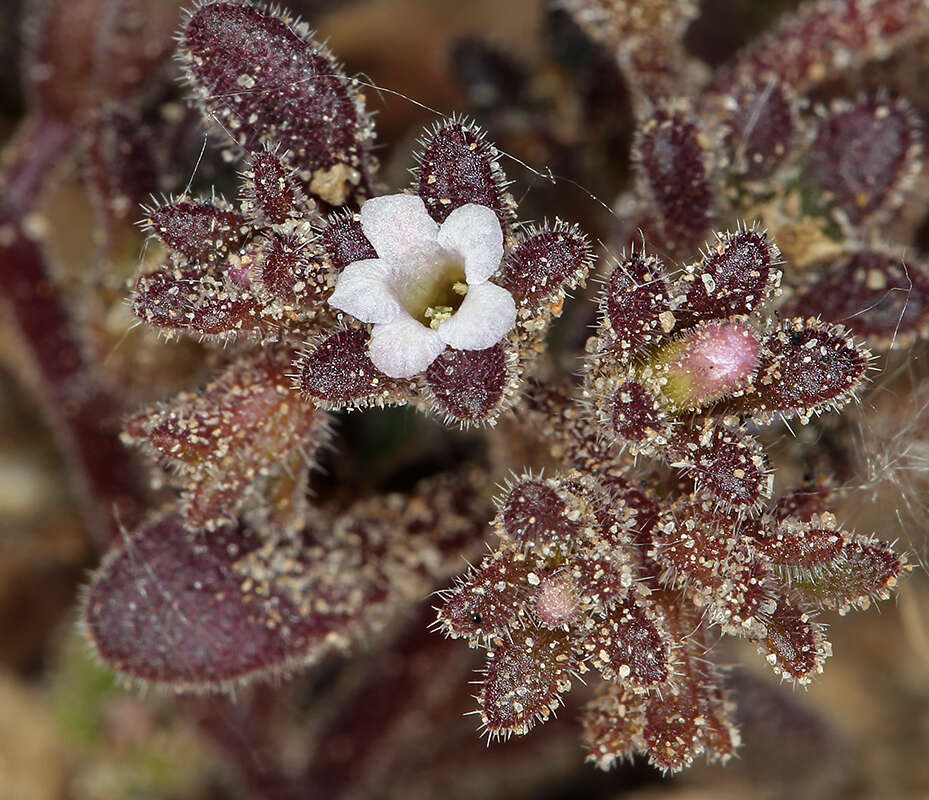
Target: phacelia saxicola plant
x=435 y=297
x=770 y=220
x=326 y=294
x=322 y=297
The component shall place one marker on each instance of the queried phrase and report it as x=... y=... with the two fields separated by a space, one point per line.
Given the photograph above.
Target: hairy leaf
x=879 y=295
x=526 y=677
x=736 y=276
x=200 y=231
x=170 y=608
x=271 y=190
x=729 y=466
x=458 y=166
x=864 y=155
x=223 y=442
x=534 y=512
x=344 y=242
x=632 y=647
x=795 y=646
x=337 y=372
x=635 y=303
x=545 y=264
x=269 y=83
x=809 y=367
x=487 y=600
x=185 y=300
x=472 y=386
x=672 y=163
x=761 y=125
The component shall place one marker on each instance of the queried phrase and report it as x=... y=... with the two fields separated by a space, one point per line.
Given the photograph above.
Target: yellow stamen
x=438 y=314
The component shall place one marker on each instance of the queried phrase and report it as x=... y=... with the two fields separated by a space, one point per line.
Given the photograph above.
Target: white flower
x=428 y=288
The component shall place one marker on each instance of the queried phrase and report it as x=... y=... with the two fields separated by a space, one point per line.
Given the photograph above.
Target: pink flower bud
x=709 y=364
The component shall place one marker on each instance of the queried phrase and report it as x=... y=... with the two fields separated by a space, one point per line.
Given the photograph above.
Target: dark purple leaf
x=822 y=40
x=458 y=166
x=170 y=608
x=487 y=600
x=344 y=242
x=878 y=295
x=762 y=126
x=808 y=367
x=638 y=416
x=289 y=273
x=545 y=264
x=185 y=300
x=271 y=189
x=694 y=716
x=337 y=372
x=799 y=545
x=635 y=302
x=631 y=647
x=221 y=442
x=526 y=676
x=737 y=275
x=534 y=512
x=199 y=231
x=730 y=467
x=863 y=572
x=864 y=155
x=471 y=386
x=795 y=646
x=259 y=72
x=614 y=726
x=671 y=161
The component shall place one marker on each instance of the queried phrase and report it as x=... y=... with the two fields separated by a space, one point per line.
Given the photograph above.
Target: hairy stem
x=83 y=412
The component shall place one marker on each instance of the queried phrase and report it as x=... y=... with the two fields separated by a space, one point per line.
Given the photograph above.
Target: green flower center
x=436 y=299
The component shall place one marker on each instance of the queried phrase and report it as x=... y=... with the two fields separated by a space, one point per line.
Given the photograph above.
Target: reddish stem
x=84 y=413
x=240 y=730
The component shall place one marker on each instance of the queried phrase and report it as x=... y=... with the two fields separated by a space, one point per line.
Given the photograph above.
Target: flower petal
x=485 y=316
x=363 y=290
x=474 y=233
x=400 y=230
x=404 y=348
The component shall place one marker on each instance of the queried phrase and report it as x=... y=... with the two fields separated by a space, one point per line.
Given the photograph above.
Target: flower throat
x=433 y=302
